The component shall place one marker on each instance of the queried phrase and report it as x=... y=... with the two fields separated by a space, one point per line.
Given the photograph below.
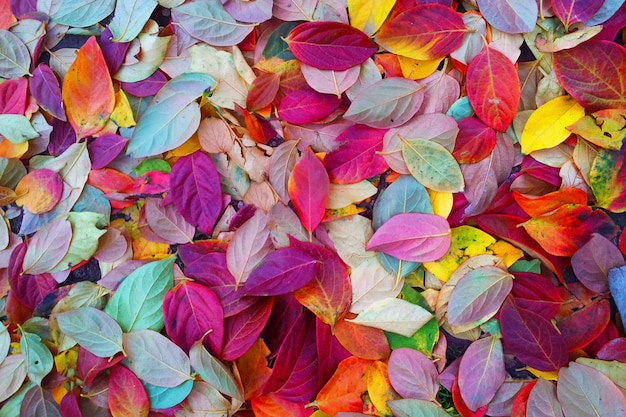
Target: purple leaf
x=104 y=149
x=61 y=138
x=44 y=86
x=282 y=271
x=28 y=289
x=413 y=375
x=114 y=52
x=196 y=190
x=481 y=372
x=148 y=87
x=593 y=261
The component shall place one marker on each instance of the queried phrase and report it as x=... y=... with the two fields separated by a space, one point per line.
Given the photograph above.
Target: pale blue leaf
x=83 y=13
x=129 y=18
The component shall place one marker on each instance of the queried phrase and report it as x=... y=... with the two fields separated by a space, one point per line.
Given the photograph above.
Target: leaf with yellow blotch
x=604 y=128
x=368 y=15
x=379 y=387
x=88 y=93
x=39 y=190
x=547 y=126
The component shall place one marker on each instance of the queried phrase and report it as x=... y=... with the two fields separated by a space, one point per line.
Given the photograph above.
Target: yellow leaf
x=415 y=69
x=547 y=126
x=507 y=252
x=190 y=146
x=549 y=375
x=379 y=387
x=146 y=250
x=441 y=202
x=9 y=149
x=368 y=15
x=122 y=113
x=466 y=241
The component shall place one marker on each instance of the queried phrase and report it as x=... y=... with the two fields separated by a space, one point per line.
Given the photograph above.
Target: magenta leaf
x=308 y=188
x=196 y=190
x=330 y=45
x=415 y=237
x=244 y=328
x=148 y=87
x=282 y=271
x=307 y=106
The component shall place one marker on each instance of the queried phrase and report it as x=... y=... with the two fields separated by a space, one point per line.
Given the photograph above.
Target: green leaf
x=93 y=329
x=213 y=371
x=156 y=359
x=16 y=128
x=608 y=178
x=416 y=408
x=130 y=17
x=38 y=358
x=85 y=235
x=432 y=165
x=171 y=117
x=137 y=302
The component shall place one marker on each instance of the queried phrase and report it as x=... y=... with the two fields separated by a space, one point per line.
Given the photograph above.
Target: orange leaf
x=364 y=342
x=39 y=190
x=344 y=389
x=108 y=180
x=536 y=206
x=88 y=92
x=253 y=369
x=127 y=396
x=272 y=405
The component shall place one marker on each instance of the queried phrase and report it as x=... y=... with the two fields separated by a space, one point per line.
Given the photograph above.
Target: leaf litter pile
x=312 y=207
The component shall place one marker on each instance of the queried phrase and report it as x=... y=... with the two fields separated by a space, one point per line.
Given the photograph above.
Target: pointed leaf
x=87 y=91
x=510 y=16
x=493 y=88
x=282 y=162
x=394 y=315
x=126 y=396
x=330 y=45
x=607 y=178
x=542 y=401
x=575 y=11
x=39 y=361
x=432 y=165
x=307 y=106
x=129 y=18
x=12 y=375
x=413 y=374
x=167 y=223
x=249 y=246
x=93 y=329
x=213 y=371
x=14 y=56
x=369 y=15
x=47 y=247
x=308 y=188
x=136 y=304
x=242 y=330
x=481 y=372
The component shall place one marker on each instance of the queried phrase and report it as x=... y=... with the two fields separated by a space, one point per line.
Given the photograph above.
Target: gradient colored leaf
x=13 y=95
x=584 y=391
x=39 y=190
x=389 y=102
x=593 y=261
x=171 y=117
x=330 y=45
x=165 y=222
x=361 y=341
x=137 y=301
x=531 y=338
x=563 y=231
x=432 y=165
x=93 y=329
x=192 y=312
x=481 y=372
x=423 y=32
x=591 y=73
x=493 y=88
x=575 y=11
x=344 y=389
x=44 y=87
x=607 y=177
x=308 y=188
x=510 y=16
x=369 y=15
x=547 y=126
x=126 y=396
x=358 y=158
x=413 y=374
x=196 y=190
x=477 y=297
x=329 y=294
x=536 y=206
x=394 y=315
x=282 y=271
x=87 y=91
x=604 y=128
x=156 y=359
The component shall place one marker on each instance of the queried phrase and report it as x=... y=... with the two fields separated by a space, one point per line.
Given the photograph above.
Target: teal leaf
x=39 y=360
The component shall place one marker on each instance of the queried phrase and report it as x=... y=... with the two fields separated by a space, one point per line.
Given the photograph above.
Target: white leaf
x=394 y=315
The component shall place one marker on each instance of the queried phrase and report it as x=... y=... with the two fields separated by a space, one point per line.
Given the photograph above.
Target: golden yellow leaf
x=415 y=69
x=441 y=202
x=507 y=252
x=547 y=126
x=122 y=113
x=369 y=15
x=379 y=387
x=9 y=149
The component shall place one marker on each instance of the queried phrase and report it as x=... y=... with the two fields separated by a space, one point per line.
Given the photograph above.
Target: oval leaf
x=432 y=165
x=213 y=371
x=413 y=374
x=47 y=247
x=481 y=372
x=126 y=396
x=93 y=329
x=394 y=315
x=593 y=261
x=308 y=188
x=14 y=56
x=45 y=88
x=510 y=16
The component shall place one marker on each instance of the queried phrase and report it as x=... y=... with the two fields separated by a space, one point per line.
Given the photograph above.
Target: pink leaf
x=243 y=329
x=481 y=372
x=413 y=374
x=307 y=106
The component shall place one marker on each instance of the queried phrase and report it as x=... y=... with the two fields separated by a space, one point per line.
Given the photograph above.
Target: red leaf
x=521 y=401
x=13 y=95
x=361 y=341
x=262 y=91
x=531 y=338
x=88 y=365
x=272 y=405
x=196 y=190
x=192 y=311
x=615 y=350
x=127 y=396
x=307 y=106
x=593 y=74
x=308 y=188
x=474 y=142
x=104 y=149
x=535 y=206
x=330 y=45
x=242 y=330
x=329 y=294
x=493 y=88
x=29 y=290
x=358 y=158
x=460 y=405
x=536 y=293
x=69 y=405
x=575 y=11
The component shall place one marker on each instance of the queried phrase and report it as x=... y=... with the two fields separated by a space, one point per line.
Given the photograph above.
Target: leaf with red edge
x=583 y=315
x=87 y=91
x=532 y=338
x=294 y=375
x=493 y=88
x=563 y=231
x=593 y=261
x=593 y=74
x=416 y=237
x=344 y=389
x=127 y=396
x=481 y=372
x=329 y=294
x=460 y=405
x=330 y=45
x=536 y=293
x=518 y=409
x=535 y=206
x=45 y=88
x=575 y=11
x=192 y=311
x=615 y=350
x=308 y=187
x=474 y=142
x=27 y=289
x=13 y=94
x=543 y=401
x=104 y=149
x=424 y=32
x=307 y=106
x=282 y=271
x=39 y=190
x=196 y=190
x=358 y=157
x=362 y=341
x=69 y=405
x=272 y=405
x=262 y=91
x=242 y=330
